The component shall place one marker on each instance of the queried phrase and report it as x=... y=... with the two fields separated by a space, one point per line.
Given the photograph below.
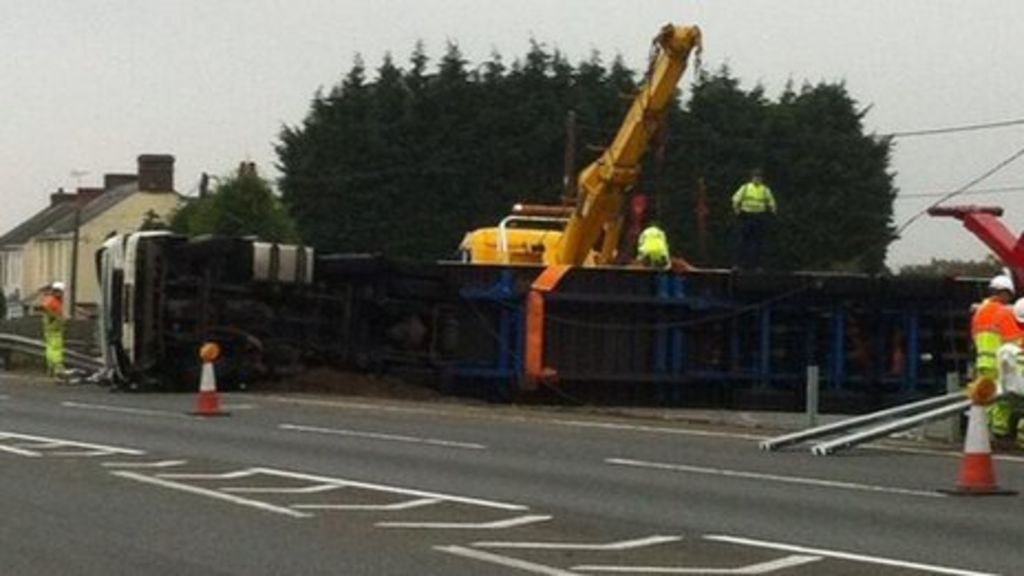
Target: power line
x=977 y=192
x=954 y=129
x=991 y=171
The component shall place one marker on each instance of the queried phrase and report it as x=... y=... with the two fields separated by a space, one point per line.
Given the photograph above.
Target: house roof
x=39 y=223
x=94 y=208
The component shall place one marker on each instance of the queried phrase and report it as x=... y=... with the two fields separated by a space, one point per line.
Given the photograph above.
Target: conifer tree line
x=405 y=159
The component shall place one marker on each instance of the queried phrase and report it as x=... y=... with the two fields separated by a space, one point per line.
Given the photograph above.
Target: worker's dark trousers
x=753 y=228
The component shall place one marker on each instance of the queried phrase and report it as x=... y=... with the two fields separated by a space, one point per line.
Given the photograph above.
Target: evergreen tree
x=243 y=205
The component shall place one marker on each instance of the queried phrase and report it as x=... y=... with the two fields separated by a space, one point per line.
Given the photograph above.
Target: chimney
x=86 y=195
x=60 y=197
x=111 y=181
x=156 y=172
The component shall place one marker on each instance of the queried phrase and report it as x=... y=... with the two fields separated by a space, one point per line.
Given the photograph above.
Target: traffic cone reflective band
x=208 y=402
x=977 y=474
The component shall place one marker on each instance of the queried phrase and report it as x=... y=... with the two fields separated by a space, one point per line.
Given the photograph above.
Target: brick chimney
x=156 y=172
x=86 y=195
x=111 y=181
x=60 y=197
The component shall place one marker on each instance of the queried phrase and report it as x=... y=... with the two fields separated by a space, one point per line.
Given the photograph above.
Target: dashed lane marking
x=495 y=525
x=818 y=482
x=611 y=546
x=158 y=464
x=768 y=567
x=125 y=410
x=380 y=436
x=210 y=494
x=930 y=568
x=504 y=561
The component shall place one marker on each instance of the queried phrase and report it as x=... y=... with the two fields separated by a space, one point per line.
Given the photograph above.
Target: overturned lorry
x=611 y=335
x=273 y=308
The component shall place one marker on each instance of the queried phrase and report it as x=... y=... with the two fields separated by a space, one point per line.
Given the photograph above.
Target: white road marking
x=159 y=464
x=379 y=436
x=210 y=493
x=273 y=472
x=312 y=489
x=20 y=451
x=43 y=441
x=496 y=525
x=211 y=476
x=656 y=429
x=407 y=505
x=622 y=545
x=124 y=410
x=759 y=568
x=819 y=482
x=505 y=561
x=239 y=406
x=846 y=556
x=391 y=489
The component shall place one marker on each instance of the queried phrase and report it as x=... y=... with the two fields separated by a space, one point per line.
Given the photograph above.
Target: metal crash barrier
x=33 y=347
x=860 y=429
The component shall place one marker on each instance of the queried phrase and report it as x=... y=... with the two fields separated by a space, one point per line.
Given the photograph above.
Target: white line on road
x=496 y=525
x=379 y=436
x=656 y=429
x=210 y=493
x=819 y=482
x=622 y=545
x=504 y=561
x=390 y=489
x=768 y=567
x=312 y=489
x=125 y=410
x=20 y=451
x=846 y=556
x=158 y=464
x=407 y=505
x=45 y=441
x=211 y=476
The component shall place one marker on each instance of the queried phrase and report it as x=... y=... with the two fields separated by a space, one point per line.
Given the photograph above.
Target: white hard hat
x=1001 y=282
x=58 y=285
x=1018 y=310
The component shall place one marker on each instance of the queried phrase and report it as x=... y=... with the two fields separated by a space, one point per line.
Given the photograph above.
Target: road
x=99 y=483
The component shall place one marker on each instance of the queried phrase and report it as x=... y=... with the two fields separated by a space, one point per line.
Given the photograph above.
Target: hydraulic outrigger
x=983 y=222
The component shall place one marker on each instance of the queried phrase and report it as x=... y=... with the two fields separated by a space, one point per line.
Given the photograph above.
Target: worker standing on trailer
x=652 y=248
x=753 y=204
x=52 y=305
x=993 y=325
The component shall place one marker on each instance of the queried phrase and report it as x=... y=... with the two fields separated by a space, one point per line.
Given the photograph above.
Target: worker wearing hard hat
x=992 y=326
x=652 y=248
x=52 y=305
x=1005 y=414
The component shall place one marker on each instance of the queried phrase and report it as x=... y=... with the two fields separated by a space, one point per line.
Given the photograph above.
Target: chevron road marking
x=505 y=561
x=496 y=525
x=406 y=505
x=622 y=545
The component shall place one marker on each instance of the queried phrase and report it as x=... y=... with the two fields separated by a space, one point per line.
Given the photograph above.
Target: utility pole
x=569 y=180
x=73 y=288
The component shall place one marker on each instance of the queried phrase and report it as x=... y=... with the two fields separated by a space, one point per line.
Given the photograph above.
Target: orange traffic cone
x=208 y=402
x=977 y=475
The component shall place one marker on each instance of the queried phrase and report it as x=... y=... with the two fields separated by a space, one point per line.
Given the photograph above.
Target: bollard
x=812 y=396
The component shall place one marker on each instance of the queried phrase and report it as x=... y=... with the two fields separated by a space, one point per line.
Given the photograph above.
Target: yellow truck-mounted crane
x=569 y=235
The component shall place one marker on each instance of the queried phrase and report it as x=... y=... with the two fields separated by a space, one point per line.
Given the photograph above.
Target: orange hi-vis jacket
x=992 y=326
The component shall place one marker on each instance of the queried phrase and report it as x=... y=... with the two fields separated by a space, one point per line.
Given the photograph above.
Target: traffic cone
x=208 y=402
x=977 y=474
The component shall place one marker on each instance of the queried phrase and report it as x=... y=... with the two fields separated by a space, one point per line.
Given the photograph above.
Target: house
x=41 y=249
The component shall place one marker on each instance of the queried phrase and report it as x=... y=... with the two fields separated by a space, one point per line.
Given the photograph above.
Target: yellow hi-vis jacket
x=753 y=198
x=652 y=245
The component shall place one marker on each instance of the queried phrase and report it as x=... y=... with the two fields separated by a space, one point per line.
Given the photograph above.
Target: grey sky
x=86 y=85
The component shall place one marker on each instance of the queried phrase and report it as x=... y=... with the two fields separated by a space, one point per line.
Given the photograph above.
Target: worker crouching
x=652 y=249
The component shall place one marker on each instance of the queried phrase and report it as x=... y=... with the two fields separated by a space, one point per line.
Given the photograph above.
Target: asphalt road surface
x=95 y=483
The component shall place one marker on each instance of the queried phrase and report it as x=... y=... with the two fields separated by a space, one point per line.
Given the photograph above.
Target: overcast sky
x=87 y=85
